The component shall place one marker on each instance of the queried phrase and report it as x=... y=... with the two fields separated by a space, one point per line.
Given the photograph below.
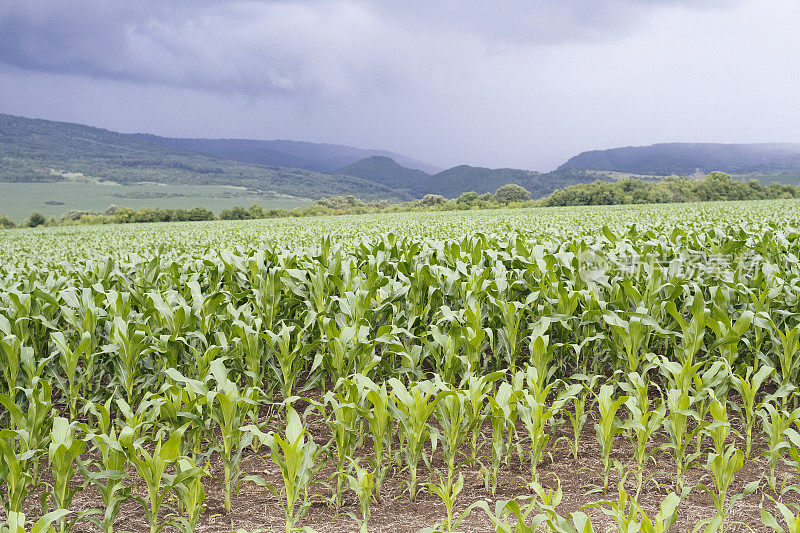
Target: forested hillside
x=688 y=158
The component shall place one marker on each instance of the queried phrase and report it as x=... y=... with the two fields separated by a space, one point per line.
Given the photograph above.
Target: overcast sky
x=522 y=84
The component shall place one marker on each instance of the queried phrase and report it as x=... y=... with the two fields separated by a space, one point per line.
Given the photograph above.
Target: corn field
x=626 y=369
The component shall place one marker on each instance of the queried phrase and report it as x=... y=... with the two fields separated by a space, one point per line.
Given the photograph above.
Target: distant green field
x=19 y=200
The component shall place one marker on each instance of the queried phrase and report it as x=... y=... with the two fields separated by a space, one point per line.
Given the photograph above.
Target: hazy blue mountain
x=688 y=158
x=319 y=157
x=388 y=172
x=42 y=150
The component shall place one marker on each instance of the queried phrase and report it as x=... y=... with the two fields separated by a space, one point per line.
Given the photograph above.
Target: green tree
x=511 y=193
x=430 y=200
x=6 y=223
x=36 y=219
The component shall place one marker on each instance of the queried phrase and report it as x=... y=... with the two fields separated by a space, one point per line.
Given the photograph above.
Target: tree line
x=717 y=186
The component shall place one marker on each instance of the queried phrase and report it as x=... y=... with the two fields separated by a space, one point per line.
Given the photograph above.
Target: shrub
x=511 y=193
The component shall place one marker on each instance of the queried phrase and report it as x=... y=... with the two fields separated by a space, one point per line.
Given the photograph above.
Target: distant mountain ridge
x=33 y=150
x=687 y=158
x=317 y=157
x=388 y=172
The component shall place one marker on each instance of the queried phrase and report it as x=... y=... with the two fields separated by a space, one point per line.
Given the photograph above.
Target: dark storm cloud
x=317 y=47
x=512 y=83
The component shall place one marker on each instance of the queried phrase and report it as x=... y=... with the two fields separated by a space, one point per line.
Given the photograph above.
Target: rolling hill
x=388 y=172
x=688 y=158
x=45 y=151
x=318 y=157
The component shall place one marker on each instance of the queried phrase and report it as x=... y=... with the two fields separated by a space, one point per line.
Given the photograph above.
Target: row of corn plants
x=434 y=355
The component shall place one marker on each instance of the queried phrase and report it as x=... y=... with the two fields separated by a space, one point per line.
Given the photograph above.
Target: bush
x=36 y=219
x=6 y=223
x=432 y=199
x=511 y=193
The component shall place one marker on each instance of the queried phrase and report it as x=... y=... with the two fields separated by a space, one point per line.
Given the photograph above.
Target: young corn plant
x=34 y=422
x=130 y=344
x=153 y=469
x=451 y=413
x=578 y=415
x=776 y=422
x=748 y=387
x=608 y=425
x=791 y=519
x=537 y=411
x=503 y=408
x=296 y=456
x=14 y=471
x=360 y=481
x=631 y=517
x=643 y=425
x=413 y=408
x=509 y=516
x=679 y=407
x=17 y=522
x=788 y=351
x=344 y=420
x=477 y=389
x=109 y=480
x=720 y=428
x=289 y=355
x=191 y=494
x=69 y=360
x=723 y=468
x=379 y=421
x=229 y=411
x=65 y=448
x=693 y=330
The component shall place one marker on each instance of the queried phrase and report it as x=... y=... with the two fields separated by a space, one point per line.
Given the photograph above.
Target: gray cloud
x=323 y=46
x=525 y=84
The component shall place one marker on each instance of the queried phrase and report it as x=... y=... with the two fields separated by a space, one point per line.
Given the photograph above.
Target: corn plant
x=644 y=421
x=131 y=346
x=14 y=471
x=720 y=428
x=109 y=479
x=380 y=422
x=508 y=340
x=69 y=364
x=629 y=515
x=775 y=423
x=191 y=494
x=229 y=411
x=360 y=481
x=509 y=516
x=788 y=355
x=413 y=408
x=679 y=408
x=32 y=423
x=296 y=456
x=451 y=413
x=608 y=425
x=345 y=417
x=153 y=469
x=537 y=411
x=17 y=522
x=723 y=468
x=578 y=415
x=503 y=407
x=289 y=355
x=748 y=387
x=693 y=330
x=65 y=448
x=477 y=389
x=791 y=519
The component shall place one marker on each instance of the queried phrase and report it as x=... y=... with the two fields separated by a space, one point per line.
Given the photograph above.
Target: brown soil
x=256 y=508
